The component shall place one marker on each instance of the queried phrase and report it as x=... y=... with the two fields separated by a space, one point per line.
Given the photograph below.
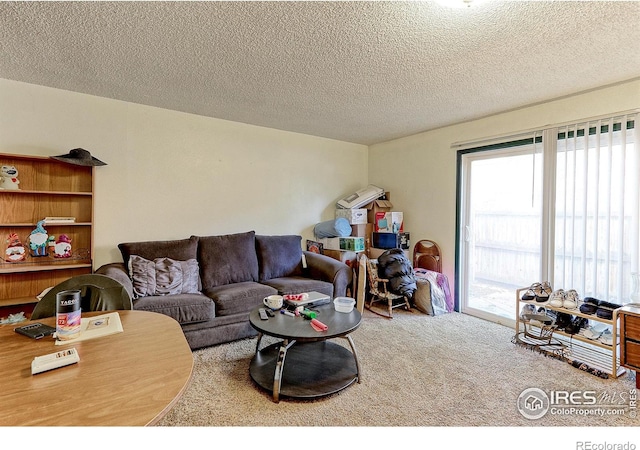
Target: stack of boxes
x=387 y=227
x=375 y=228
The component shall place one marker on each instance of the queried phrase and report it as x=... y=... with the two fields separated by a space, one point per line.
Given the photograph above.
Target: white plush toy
x=9 y=178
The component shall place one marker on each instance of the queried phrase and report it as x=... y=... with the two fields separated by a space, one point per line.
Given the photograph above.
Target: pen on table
x=288 y=313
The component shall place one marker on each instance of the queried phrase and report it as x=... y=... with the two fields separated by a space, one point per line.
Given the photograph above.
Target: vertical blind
x=596 y=211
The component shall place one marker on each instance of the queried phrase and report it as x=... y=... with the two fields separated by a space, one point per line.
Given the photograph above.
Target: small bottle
x=68 y=315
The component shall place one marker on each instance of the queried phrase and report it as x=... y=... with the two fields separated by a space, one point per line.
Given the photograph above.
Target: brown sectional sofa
x=209 y=284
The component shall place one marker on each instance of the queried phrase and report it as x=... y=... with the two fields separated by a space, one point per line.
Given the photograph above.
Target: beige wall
x=171 y=174
x=420 y=170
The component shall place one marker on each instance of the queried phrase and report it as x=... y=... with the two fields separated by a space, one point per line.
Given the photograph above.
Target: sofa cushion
x=298 y=285
x=279 y=256
x=163 y=276
x=227 y=259
x=180 y=250
x=184 y=308
x=238 y=297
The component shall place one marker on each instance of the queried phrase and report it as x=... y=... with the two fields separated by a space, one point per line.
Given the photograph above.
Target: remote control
x=263 y=314
x=270 y=313
x=54 y=360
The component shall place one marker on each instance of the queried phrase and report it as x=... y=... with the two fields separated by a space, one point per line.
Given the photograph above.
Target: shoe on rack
x=605 y=310
x=557 y=298
x=551 y=313
x=530 y=294
x=537 y=291
x=527 y=309
x=563 y=320
x=543 y=292
x=606 y=337
x=589 y=305
x=571 y=299
x=576 y=324
x=593 y=332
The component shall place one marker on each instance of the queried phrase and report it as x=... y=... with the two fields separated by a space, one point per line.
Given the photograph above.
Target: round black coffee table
x=315 y=367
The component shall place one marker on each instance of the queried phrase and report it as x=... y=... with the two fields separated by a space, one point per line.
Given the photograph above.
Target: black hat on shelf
x=80 y=157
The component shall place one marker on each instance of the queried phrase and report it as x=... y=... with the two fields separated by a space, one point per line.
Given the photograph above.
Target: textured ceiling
x=361 y=72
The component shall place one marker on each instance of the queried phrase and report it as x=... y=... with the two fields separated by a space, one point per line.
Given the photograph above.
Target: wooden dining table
x=131 y=378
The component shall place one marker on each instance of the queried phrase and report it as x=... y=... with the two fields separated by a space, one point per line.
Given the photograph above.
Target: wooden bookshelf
x=48 y=188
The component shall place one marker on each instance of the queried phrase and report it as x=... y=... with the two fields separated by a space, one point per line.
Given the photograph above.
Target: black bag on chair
x=396 y=267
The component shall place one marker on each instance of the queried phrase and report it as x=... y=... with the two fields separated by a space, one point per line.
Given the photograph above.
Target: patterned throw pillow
x=163 y=276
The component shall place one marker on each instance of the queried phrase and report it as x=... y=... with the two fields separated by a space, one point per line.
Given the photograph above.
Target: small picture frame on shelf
x=315 y=247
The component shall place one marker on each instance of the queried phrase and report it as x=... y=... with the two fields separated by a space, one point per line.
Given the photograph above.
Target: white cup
x=273 y=301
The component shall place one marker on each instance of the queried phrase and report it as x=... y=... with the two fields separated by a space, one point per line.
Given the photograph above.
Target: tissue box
x=354 y=216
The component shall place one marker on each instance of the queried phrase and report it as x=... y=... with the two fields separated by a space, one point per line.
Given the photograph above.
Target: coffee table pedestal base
x=307 y=370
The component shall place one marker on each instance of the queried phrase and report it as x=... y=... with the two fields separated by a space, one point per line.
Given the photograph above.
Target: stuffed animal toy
x=9 y=178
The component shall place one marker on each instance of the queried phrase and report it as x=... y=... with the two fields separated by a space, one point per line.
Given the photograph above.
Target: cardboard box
x=374 y=253
x=330 y=243
x=378 y=205
x=388 y=222
x=352 y=243
x=362 y=230
x=354 y=216
x=345 y=256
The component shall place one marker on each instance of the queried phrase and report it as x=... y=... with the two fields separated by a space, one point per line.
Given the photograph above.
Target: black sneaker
x=605 y=310
x=589 y=305
x=563 y=320
x=576 y=324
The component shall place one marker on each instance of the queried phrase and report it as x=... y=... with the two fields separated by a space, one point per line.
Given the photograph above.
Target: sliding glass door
x=500 y=223
x=561 y=205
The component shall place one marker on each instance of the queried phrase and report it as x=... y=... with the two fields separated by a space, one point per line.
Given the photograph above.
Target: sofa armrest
x=325 y=268
x=118 y=272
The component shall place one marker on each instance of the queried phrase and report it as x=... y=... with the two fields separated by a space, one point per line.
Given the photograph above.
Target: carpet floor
x=417 y=371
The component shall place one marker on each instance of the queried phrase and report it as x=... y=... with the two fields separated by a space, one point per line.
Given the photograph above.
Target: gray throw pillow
x=227 y=259
x=179 y=250
x=279 y=256
x=163 y=276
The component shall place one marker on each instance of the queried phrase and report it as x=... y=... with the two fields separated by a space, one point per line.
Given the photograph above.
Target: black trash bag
x=396 y=267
